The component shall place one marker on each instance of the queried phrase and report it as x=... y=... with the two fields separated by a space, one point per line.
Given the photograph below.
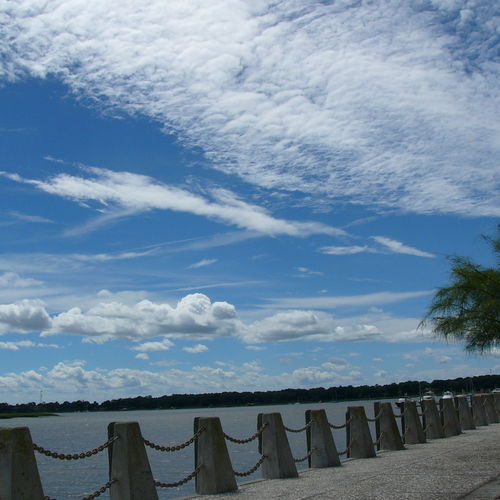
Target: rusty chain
x=297 y=460
x=74 y=456
x=178 y=447
x=247 y=440
x=299 y=430
x=340 y=426
x=375 y=418
x=377 y=442
x=181 y=482
x=96 y=493
x=253 y=469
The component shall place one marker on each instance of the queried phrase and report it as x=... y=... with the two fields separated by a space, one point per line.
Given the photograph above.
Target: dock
x=466 y=467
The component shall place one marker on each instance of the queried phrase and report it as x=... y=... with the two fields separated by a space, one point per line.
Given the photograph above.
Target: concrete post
x=433 y=425
x=320 y=441
x=496 y=396
x=449 y=418
x=478 y=411
x=129 y=464
x=489 y=408
x=413 y=430
x=359 y=438
x=386 y=427
x=19 y=477
x=464 y=413
x=273 y=443
x=216 y=472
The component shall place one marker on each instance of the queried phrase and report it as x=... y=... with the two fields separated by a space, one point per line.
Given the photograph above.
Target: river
x=77 y=432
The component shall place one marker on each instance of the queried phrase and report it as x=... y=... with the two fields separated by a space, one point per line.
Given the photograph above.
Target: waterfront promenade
x=466 y=466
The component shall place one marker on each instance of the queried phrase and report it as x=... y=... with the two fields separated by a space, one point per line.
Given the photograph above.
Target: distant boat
x=447 y=395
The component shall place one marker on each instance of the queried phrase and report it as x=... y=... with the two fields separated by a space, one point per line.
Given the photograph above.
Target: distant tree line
x=412 y=388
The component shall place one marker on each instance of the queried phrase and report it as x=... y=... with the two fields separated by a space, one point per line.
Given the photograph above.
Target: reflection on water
x=76 y=432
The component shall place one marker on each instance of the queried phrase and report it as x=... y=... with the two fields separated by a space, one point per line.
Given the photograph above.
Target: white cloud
x=15 y=346
x=196 y=349
x=23 y=317
x=142 y=355
x=349 y=250
x=13 y=280
x=130 y=193
x=398 y=247
x=384 y=103
x=194 y=316
x=202 y=263
x=387 y=245
x=164 y=345
x=326 y=302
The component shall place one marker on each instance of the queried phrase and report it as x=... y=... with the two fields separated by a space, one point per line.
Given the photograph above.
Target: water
x=77 y=432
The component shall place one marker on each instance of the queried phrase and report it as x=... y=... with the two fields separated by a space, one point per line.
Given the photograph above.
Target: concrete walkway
x=461 y=467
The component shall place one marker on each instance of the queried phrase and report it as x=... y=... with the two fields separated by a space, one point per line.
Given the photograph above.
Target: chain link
x=96 y=493
x=181 y=482
x=247 y=440
x=297 y=460
x=253 y=469
x=340 y=426
x=302 y=429
x=74 y=456
x=178 y=447
x=375 y=418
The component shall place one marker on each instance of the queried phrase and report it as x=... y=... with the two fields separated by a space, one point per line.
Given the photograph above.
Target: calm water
x=76 y=432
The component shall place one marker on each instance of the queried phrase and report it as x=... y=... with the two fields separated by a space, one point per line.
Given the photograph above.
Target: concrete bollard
x=320 y=441
x=413 y=430
x=386 y=427
x=216 y=473
x=19 y=477
x=129 y=464
x=433 y=425
x=496 y=396
x=464 y=413
x=273 y=443
x=478 y=411
x=489 y=409
x=359 y=438
x=449 y=418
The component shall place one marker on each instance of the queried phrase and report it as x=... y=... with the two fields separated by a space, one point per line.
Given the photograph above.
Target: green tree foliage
x=469 y=309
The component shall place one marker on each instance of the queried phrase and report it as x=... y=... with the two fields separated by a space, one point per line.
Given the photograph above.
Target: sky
x=239 y=195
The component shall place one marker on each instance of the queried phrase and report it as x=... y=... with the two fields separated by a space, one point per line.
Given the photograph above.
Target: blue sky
x=230 y=195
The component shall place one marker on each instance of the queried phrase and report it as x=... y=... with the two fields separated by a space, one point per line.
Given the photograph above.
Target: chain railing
x=302 y=429
x=343 y=426
x=185 y=480
x=246 y=440
x=96 y=493
x=303 y=459
x=253 y=469
x=177 y=447
x=74 y=456
x=376 y=417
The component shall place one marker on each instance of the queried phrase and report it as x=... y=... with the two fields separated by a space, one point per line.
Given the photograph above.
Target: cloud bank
x=386 y=103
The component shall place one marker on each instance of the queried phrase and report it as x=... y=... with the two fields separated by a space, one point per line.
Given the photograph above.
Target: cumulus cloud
x=194 y=317
x=133 y=193
x=387 y=103
x=23 y=317
x=15 y=346
x=196 y=349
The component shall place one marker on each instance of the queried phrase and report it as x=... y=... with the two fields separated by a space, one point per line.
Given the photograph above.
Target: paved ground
x=460 y=467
